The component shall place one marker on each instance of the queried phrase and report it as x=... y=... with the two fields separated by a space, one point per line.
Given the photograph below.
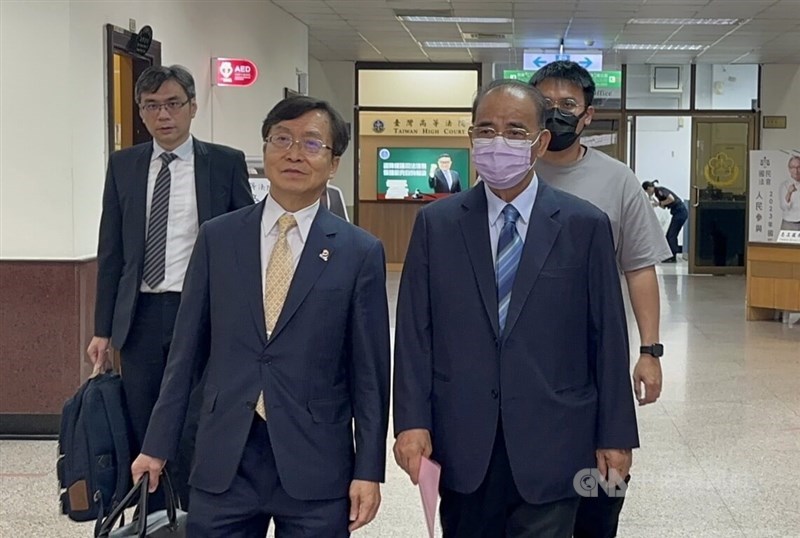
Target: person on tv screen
x=442 y=179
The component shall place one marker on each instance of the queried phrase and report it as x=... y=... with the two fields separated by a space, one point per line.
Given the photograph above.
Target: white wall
x=53 y=147
x=35 y=130
x=639 y=95
x=335 y=82
x=780 y=96
x=664 y=152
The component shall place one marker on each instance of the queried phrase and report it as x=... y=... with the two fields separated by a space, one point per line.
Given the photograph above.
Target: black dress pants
x=496 y=509
x=144 y=357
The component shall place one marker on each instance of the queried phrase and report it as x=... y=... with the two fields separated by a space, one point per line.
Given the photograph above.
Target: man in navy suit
x=293 y=302
x=156 y=196
x=512 y=375
x=443 y=179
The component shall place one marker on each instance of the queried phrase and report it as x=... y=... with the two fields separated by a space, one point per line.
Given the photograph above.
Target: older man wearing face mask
x=526 y=390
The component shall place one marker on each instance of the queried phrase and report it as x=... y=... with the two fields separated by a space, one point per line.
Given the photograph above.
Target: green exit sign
x=602 y=79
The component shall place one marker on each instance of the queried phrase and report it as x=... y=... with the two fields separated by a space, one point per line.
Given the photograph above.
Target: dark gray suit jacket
x=558 y=377
x=324 y=371
x=222 y=185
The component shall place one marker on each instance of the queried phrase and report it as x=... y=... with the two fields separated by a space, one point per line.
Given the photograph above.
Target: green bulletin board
x=414 y=164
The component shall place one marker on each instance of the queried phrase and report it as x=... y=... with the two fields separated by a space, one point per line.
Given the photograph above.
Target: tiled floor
x=720 y=449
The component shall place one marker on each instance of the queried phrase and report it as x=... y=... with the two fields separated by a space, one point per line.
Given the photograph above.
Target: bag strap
x=171 y=498
x=143 y=496
x=109 y=521
x=142 y=488
x=116 y=415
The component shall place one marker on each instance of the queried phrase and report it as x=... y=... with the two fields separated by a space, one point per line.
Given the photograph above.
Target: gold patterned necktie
x=280 y=270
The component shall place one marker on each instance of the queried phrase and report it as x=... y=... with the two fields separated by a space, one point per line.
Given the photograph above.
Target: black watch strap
x=656 y=350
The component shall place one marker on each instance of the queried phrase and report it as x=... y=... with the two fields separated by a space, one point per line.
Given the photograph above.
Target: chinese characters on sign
x=405 y=169
x=773 y=202
x=414 y=124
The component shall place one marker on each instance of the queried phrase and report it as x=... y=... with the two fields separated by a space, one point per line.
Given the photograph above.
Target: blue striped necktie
x=155 y=247
x=509 y=251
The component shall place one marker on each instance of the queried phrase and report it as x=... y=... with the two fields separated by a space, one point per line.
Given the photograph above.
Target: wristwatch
x=656 y=350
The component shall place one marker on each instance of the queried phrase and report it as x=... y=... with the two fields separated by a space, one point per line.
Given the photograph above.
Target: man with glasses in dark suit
x=156 y=196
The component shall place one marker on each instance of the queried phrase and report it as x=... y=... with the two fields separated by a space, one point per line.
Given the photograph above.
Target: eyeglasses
x=311 y=146
x=171 y=106
x=514 y=137
x=566 y=106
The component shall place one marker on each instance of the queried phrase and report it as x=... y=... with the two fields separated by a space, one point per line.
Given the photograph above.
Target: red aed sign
x=234 y=72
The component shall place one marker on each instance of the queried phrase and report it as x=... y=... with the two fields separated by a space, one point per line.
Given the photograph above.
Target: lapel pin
x=325 y=254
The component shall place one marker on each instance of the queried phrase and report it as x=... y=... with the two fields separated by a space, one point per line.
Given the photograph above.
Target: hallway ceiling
x=767 y=31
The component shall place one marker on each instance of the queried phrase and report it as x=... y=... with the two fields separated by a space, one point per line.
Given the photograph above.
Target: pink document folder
x=429 y=473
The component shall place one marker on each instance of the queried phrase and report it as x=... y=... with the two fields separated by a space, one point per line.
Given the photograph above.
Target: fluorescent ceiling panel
x=686 y=22
x=658 y=46
x=467 y=45
x=475 y=20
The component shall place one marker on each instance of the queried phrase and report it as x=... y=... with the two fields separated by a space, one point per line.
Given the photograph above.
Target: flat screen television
x=422 y=172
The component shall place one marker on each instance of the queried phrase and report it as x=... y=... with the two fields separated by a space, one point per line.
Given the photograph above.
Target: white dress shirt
x=182 y=220
x=296 y=236
x=523 y=203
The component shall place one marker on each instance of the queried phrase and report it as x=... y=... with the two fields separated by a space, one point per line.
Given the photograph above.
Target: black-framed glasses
x=515 y=136
x=567 y=106
x=170 y=106
x=311 y=146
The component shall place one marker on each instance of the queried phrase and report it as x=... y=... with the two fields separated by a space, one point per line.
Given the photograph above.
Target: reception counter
x=773 y=279
x=391 y=221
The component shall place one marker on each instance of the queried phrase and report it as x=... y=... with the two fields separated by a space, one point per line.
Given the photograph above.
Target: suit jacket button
x=495 y=394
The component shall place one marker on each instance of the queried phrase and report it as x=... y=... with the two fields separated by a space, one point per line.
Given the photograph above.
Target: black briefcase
x=169 y=523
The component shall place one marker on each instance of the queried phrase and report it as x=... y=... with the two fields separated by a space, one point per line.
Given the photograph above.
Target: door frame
x=751 y=119
x=622 y=130
x=117 y=41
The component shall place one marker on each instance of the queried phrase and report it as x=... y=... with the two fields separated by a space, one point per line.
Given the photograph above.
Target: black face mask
x=562 y=127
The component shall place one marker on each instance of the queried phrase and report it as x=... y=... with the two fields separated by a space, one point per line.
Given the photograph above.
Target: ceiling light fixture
x=467 y=45
x=681 y=22
x=464 y=20
x=657 y=46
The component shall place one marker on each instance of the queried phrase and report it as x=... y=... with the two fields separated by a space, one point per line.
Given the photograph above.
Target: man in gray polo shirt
x=638 y=238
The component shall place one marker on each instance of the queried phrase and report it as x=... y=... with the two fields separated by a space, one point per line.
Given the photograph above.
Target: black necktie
x=155 y=248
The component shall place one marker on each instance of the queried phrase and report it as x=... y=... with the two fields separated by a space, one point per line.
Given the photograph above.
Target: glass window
x=726 y=87
x=664 y=87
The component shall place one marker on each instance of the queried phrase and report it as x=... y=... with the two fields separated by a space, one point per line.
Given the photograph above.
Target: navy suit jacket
x=222 y=185
x=439 y=182
x=558 y=377
x=326 y=363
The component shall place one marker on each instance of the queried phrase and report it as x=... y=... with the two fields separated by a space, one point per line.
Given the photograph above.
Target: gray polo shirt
x=613 y=187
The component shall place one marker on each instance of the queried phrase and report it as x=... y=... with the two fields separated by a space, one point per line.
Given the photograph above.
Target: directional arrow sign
x=532 y=60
